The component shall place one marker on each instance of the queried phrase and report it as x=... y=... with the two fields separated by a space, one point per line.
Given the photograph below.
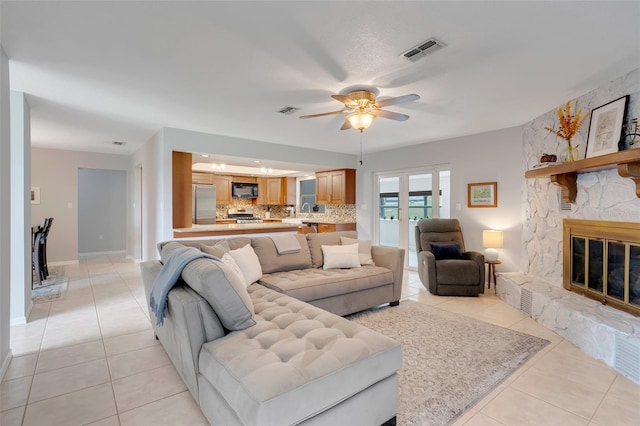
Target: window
x=308 y=196
x=420 y=205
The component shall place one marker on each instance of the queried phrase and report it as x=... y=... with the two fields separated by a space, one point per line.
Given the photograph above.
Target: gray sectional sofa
x=296 y=360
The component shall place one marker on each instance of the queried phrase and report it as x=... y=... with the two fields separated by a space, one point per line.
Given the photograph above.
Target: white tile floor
x=91 y=358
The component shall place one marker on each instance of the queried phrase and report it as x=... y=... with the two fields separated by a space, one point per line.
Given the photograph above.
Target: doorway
x=405 y=197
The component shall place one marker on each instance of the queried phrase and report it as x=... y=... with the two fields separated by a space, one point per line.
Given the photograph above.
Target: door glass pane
x=420 y=206
x=389 y=188
x=615 y=265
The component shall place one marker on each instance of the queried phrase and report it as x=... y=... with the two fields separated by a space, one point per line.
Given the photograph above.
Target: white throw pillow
x=340 y=256
x=364 y=249
x=229 y=260
x=248 y=262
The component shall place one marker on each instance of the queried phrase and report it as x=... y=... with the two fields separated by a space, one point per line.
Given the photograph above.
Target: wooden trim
x=235 y=231
x=181 y=188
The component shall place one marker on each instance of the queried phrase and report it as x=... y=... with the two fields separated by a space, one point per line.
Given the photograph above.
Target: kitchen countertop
x=233 y=229
x=315 y=220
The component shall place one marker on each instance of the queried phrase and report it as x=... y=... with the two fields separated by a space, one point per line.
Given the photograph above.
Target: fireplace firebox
x=602 y=261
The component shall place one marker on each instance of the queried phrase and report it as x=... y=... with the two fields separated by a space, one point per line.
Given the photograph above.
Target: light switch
x=458 y=206
x=69 y=205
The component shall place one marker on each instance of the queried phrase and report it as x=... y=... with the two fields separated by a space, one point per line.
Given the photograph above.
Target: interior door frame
x=403 y=201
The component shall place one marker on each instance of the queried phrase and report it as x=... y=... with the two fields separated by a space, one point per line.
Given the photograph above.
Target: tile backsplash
x=337 y=212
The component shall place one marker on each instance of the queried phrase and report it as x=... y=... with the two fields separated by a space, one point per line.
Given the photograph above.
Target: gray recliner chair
x=444 y=266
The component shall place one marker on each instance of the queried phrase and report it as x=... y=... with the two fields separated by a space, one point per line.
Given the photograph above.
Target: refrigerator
x=203 y=211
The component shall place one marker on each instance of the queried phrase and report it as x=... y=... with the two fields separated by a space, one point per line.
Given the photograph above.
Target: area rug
x=52 y=288
x=450 y=361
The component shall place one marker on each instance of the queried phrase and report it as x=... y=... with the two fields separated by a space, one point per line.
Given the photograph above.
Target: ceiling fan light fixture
x=361 y=120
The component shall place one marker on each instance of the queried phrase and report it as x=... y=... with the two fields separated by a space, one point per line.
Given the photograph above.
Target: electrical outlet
x=99 y=236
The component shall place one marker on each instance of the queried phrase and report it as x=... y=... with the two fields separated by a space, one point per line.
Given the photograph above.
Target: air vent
x=423 y=49
x=627 y=358
x=526 y=300
x=564 y=206
x=288 y=110
x=117 y=143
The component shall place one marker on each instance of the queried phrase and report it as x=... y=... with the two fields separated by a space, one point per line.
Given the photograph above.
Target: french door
x=402 y=199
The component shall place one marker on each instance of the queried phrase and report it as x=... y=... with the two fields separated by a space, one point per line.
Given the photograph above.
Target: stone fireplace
x=602 y=261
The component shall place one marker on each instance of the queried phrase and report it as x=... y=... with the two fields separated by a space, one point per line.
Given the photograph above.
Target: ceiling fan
x=362 y=108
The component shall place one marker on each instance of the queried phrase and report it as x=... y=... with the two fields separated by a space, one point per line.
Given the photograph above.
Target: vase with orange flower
x=569 y=126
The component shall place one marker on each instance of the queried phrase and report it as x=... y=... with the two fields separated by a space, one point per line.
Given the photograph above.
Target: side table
x=492 y=270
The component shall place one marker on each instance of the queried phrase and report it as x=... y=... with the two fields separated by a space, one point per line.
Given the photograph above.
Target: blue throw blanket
x=168 y=277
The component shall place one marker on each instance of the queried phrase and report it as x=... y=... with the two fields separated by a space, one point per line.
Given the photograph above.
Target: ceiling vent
x=118 y=143
x=288 y=110
x=423 y=49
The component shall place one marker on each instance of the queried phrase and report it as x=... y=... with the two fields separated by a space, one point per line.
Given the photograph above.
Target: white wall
x=5 y=211
x=601 y=195
x=20 y=208
x=486 y=157
x=102 y=214
x=55 y=172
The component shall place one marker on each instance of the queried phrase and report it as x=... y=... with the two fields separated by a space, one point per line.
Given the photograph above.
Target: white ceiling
x=96 y=72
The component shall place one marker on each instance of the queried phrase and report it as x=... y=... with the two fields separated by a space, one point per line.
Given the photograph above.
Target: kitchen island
x=224 y=229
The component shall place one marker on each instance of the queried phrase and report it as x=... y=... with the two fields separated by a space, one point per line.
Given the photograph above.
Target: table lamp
x=491 y=240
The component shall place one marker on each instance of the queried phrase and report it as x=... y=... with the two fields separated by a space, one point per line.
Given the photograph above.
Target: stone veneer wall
x=601 y=195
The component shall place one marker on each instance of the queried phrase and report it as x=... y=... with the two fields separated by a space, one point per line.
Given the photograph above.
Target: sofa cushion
x=313 y=284
x=295 y=353
x=218 y=249
x=340 y=256
x=271 y=261
x=316 y=241
x=456 y=271
x=223 y=289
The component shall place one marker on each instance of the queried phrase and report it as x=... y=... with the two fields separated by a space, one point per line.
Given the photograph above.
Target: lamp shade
x=360 y=120
x=491 y=240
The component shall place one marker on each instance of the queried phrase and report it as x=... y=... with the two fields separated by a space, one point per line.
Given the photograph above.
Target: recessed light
x=205 y=156
x=256 y=161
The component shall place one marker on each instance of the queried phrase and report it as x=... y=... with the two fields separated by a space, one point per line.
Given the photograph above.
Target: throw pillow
x=218 y=249
x=341 y=256
x=364 y=249
x=229 y=261
x=446 y=251
x=223 y=289
x=248 y=262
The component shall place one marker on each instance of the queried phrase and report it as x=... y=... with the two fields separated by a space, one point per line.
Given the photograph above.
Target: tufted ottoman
x=298 y=363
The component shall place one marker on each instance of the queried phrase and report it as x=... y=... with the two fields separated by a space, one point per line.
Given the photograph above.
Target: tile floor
x=90 y=357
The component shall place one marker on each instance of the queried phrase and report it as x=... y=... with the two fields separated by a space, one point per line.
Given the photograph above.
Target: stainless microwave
x=244 y=190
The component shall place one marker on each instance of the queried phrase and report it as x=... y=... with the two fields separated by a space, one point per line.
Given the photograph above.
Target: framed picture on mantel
x=605 y=128
x=482 y=194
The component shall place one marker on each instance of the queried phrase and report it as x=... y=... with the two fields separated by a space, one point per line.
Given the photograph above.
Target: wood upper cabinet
x=336 y=186
x=200 y=177
x=223 y=188
x=280 y=191
x=262 y=191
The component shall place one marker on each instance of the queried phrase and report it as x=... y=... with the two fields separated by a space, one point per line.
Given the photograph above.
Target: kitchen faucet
x=302 y=208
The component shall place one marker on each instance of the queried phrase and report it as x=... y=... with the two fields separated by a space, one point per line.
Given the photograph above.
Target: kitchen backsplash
x=338 y=212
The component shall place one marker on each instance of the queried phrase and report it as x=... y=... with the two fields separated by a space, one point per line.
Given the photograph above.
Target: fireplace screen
x=604 y=266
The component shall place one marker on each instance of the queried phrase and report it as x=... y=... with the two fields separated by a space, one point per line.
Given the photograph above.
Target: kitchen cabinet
x=336 y=186
x=280 y=191
x=223 y=188
x=334 y=227
x=200 y=177
x=262 y=191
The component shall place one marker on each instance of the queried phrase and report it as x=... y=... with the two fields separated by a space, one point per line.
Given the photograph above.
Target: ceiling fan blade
x=347 y=101
x=391 y=115
x=398 y=100
x=342 y=111
x=346 y=125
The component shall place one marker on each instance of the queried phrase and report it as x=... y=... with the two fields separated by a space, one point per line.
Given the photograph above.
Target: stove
x=243 y=216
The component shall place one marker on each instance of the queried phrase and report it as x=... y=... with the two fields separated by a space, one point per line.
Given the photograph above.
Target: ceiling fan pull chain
x=361 y=148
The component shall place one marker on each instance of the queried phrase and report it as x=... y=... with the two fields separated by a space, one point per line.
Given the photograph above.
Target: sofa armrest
x=392 y=258
x=427 y=270
x=477 y=257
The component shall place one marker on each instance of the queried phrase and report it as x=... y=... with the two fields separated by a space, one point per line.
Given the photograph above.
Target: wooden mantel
x=565 y=175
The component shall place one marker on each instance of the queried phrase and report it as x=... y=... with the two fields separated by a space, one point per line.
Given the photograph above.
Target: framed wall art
x=482 y=194
x=605 y=128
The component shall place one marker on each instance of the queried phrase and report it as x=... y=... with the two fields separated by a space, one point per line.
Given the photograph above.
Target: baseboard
x=102 y=253
x=133 y=260
x=21 y=320
x=63 y=262
x=5 y=364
